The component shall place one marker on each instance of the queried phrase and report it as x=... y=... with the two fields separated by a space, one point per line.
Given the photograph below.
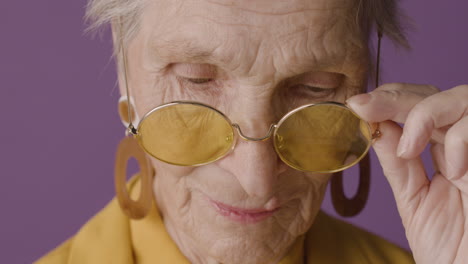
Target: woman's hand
x=434 y=212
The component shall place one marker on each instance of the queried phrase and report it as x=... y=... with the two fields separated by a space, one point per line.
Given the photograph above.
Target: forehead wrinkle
x=228 y=23
x=231 y=13
x=304 y=55
x=328 y=43
x=298 y=8
x=189 y=51
x=218 y=49
x=173 y=47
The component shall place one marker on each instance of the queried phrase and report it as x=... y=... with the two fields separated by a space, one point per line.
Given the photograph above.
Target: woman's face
x=254 y=61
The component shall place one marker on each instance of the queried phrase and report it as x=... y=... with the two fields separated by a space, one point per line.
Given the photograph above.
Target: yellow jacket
x=111 y=238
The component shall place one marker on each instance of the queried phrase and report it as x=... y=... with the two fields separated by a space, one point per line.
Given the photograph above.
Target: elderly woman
x=239 y=113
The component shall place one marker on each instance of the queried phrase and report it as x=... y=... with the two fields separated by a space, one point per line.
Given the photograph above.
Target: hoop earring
x=138 y=209
x=343 y=205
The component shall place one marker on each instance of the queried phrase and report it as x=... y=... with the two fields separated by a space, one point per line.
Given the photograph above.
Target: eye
x=317 y=89
x=303 y=89
x=198 y=80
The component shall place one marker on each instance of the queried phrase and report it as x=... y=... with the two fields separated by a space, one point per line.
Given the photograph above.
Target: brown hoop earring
x=350 y=207
x=138 y=209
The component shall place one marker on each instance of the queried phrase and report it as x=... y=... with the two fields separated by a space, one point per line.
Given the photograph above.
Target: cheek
x=306 y=193
x=164 y=170
x=170 y=186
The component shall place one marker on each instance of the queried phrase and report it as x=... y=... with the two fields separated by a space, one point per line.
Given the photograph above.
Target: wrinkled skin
x=255 y=62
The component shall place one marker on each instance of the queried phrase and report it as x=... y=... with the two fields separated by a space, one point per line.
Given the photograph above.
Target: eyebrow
x=183 y=49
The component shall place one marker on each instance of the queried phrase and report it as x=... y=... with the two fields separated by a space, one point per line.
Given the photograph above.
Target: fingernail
x=402 y=146
x=359 y=99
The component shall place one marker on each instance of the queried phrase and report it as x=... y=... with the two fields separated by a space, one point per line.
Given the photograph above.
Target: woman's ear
x=124 y=111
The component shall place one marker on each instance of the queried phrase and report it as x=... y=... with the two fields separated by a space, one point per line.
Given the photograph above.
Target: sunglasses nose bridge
x=247 y=138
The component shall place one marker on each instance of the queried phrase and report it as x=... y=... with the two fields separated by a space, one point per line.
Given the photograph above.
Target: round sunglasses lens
x=186 y=134
x=322 y=138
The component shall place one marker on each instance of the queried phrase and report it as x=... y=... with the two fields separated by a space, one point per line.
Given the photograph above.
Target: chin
x=247 y=251
x=267 y=241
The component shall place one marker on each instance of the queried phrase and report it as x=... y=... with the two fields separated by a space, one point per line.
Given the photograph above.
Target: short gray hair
x=116 y=13
x=369 y=14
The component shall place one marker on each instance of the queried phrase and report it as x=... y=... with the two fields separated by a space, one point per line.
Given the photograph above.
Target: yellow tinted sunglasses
x=322 y=137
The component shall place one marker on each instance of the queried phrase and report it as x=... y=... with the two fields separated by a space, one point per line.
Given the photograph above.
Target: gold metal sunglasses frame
x=272 y=132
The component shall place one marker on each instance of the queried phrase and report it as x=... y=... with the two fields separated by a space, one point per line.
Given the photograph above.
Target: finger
x=407 y=178
x=438 y=158
x=456 y=149
x=436 y=111
x=390 y=101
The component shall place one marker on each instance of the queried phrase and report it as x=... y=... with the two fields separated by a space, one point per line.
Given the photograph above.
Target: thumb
x=407 y=177
x=392 y=101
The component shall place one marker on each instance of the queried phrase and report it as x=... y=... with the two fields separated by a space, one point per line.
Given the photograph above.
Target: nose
x=256 y=166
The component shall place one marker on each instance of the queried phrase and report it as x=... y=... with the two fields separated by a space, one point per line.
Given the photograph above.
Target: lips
x=241 y=215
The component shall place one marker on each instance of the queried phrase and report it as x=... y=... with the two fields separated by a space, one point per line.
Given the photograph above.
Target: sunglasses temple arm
x=131 y=128
x=375 y=126
x=377 y=70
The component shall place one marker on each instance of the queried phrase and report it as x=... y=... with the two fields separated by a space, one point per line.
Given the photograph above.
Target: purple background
x=60 y=128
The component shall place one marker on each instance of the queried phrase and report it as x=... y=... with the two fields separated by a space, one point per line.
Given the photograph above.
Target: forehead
x=224 y=32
